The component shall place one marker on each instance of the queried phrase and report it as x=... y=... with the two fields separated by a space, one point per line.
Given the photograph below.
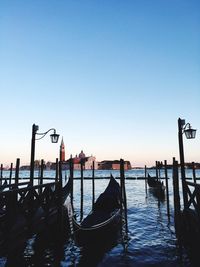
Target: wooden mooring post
x=158 y=179
x=40 y=180
x=167 y=189
x=194 y=173
x=177 y=208
x=59 y=183
x=60 y=173
x=10 y=177
x=145 y=178
x=93 y=185
x=123 y=193
x=57 y=170
x=156 y=169
x=81 y=208
x=71 y=169
x=1 y=174
x=159 y=166
x=17 y=171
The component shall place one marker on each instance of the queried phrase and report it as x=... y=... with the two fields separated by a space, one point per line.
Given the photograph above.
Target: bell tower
x=62 y=151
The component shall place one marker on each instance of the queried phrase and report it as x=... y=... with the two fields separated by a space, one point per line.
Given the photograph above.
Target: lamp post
x=54 y=139
x=190 y=134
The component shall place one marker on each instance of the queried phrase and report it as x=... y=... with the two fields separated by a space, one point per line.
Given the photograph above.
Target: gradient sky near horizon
x=112 y=77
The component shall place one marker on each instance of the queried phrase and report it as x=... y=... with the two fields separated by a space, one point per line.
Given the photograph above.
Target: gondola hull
x=157 y=187
x=102 y=224
x=100 y=233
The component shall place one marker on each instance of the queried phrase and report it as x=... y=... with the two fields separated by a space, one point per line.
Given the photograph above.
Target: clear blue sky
x=111 y=76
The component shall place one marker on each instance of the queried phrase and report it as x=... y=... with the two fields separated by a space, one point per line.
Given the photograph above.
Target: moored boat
x=156 y=185
x=103 y=221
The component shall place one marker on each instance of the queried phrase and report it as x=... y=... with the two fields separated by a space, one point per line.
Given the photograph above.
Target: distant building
x=87 y=161
x=113 y=165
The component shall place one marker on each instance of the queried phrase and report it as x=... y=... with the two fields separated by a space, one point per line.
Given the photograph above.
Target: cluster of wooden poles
x=122 y=187
x=190 y=198
x=186 y=203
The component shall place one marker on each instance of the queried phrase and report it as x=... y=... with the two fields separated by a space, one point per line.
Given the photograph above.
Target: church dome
x=82 y=155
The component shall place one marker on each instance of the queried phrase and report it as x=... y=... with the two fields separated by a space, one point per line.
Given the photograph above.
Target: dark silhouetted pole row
x=23 y=200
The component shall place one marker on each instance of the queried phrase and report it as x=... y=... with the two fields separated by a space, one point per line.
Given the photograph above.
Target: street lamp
x=190 y=134
x=54 y=139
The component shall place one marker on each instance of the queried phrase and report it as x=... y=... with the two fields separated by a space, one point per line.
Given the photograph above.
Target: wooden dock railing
x=26 y=201
x=193 y=196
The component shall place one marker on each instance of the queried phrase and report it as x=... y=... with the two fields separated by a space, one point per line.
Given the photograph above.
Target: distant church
x=88 y=161
x=62 y=151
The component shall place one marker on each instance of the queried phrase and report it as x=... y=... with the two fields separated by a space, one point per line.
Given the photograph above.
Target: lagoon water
x=151 y=236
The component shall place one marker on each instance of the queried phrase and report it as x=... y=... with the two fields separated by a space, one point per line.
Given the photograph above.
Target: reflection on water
x=151 y=237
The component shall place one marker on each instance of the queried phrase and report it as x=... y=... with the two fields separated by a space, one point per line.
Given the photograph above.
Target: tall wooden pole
x=57 y=169
x=60 y=173
x=71 y=166
x=1 y=175
x=40 y=181
x=182 y=161
x=123 y=192
x=81 y=209
x=194 y=173
x=167 y=188
x=17 y=171
x=145 y=178
x=34 y=129
x=93 y=185
x=60 y=200
x=157 y=170
x=11 y=168
x=159 y=166
x=176 y=197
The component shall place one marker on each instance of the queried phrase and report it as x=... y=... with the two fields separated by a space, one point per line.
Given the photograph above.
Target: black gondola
x=156 y=185
x=103 y=221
